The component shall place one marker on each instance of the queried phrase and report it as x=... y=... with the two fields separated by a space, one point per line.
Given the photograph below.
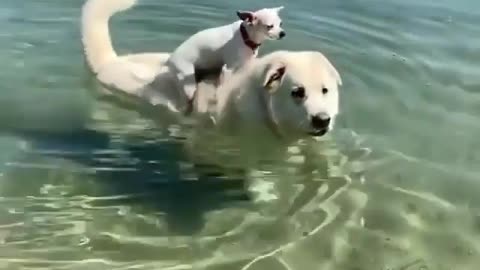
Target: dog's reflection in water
x=157 y=175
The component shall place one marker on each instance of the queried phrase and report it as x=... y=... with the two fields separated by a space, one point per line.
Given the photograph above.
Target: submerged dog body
x=226 y=47
x=291 y=94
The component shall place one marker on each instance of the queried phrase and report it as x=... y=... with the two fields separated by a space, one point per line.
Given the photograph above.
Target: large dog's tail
x=96 y=40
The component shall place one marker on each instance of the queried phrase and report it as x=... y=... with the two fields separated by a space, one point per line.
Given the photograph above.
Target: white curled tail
x=97 y=43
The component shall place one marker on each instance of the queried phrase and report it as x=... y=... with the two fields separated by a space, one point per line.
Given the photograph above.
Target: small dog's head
x=264 y=23
x=301 y=91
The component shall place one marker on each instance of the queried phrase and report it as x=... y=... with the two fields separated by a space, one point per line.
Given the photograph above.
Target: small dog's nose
x=282 y=34
x=320 y=121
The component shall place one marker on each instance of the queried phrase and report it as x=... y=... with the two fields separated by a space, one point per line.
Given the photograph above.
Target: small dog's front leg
x=190 y=88
x=224 y=74
x=187 y=83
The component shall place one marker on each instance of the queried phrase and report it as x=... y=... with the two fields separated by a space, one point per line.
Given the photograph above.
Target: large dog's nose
x=282 y=34
x=320 y=121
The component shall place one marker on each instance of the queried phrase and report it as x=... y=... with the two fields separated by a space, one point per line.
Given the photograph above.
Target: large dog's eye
x=298 y=92
x=324 y=90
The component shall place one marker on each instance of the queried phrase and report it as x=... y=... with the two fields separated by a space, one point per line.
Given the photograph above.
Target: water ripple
x=394 y=188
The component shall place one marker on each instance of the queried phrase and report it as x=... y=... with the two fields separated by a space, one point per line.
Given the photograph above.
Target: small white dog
x=291 y=94
x=223 y=48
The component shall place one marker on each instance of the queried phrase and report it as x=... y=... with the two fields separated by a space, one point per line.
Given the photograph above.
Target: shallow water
x=403 y=178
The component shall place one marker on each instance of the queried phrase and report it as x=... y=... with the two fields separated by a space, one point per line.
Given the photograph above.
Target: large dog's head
x=300 y=92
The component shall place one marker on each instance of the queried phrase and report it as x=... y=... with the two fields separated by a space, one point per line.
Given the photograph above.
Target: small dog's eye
x=270 y=26
x=324 y=90
x=298 y=93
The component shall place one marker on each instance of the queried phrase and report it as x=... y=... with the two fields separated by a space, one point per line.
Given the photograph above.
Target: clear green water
x=404 y=182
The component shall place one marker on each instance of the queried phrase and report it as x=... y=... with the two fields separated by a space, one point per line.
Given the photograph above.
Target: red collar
x=246 y=39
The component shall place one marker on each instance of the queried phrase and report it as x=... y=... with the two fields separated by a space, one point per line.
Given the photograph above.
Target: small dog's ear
x=246 y=16
x=274 y=76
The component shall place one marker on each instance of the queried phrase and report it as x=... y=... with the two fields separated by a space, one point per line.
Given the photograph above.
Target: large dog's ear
x=246 y=16
x=334 y=73
x=330 y=68
x=274 y=75
x=337 y=75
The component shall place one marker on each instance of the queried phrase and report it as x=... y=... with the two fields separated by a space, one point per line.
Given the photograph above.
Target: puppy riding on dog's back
x=224 y=48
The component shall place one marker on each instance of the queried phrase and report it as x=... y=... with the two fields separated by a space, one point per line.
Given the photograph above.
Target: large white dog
x=225 y=48
x=291 y=94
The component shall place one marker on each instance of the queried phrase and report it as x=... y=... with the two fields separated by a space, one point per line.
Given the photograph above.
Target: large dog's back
x=142 y=80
